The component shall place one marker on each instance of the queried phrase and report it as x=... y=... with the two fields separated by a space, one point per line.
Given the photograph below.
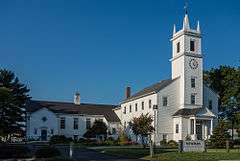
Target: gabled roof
x=201 y=112
x=150 y=89
x=71 y=108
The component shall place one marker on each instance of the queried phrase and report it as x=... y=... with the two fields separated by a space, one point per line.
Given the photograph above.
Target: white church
x=181 y=106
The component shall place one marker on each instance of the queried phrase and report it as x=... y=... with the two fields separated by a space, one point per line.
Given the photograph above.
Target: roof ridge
x=72 y=103
x=156 y=87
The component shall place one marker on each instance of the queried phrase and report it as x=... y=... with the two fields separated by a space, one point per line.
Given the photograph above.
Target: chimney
x=77 y=98
x=128 y=92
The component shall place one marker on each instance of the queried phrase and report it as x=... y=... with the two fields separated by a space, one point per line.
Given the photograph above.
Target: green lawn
x=172 y=154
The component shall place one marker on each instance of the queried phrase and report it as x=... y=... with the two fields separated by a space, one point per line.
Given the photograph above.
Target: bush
x=10 y=151
x=123 y=139
x=236 y=142
x=47 y=152
x=57 y=139
x=220 y=135
x=163 y=142
x=172 y=144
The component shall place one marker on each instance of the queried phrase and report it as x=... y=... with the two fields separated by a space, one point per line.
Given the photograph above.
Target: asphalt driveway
x=82 y=154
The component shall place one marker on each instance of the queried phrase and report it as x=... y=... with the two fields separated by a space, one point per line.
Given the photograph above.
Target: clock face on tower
x=193 y=64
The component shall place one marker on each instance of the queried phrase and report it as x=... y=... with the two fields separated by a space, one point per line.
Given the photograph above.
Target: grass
x=172 y=154
x=195 y=156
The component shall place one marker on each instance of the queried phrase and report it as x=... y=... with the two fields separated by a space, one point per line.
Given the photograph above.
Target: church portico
x=194 y=123
x=200 y=128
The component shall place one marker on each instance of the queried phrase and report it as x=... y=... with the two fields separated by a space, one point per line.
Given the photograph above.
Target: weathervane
x=185 y=6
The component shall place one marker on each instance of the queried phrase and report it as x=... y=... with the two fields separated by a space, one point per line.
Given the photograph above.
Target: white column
x=205 y=130
x=211 y=127
x=194 y=132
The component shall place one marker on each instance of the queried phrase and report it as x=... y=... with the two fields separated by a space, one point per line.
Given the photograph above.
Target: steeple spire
x=198 y=27
x=174 y=29
x=186 y=25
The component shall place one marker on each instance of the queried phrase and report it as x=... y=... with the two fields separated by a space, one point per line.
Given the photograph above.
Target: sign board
x=193 y=146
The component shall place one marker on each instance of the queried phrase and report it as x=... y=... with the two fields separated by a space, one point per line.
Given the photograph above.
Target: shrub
x=98 y=130
x=163 y=142
x=220 y=135
x=236 y=142
x=172 y=144
x=47 y=152
x=57 y=139
x=10 y=151
x=123 y=139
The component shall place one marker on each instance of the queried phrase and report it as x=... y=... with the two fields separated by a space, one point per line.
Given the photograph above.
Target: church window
x=193 y=99
x=192 y=45
x=193 y=82
x=44 y=119
x=210 y=104
x=130 y=108
x=114 y=131
x=62 y=123
x=177 y=128
x=75 y=123
x=124 y=111
x=142 y=105
x=88 y=123
x=192 y=126
x=150 y=103
x=136 y=106
x=178 y=47
x=35 y=131
x=165 y=101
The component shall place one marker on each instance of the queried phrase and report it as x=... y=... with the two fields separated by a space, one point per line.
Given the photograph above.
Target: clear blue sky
x=98 y=47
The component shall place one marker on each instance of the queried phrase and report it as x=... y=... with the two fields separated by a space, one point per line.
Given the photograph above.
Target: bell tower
x=187 y=64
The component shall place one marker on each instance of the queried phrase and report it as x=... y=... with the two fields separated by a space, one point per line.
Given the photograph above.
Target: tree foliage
x=142 y=126
x=225 y=80
x=99 y=128
x=13 y=97
x=220 y=134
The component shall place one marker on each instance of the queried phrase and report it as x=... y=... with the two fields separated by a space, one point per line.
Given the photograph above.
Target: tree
x=142 y=126
x=13 y=97
x=220 y=134
x=225 y=80
x=99 y=128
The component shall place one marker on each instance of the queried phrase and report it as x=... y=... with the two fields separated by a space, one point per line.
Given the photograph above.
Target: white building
x=45 y=119
x=182 y=105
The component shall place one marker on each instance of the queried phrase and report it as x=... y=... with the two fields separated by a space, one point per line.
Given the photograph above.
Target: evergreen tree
x=13 y=97
x=220 y=134
x=99 y=128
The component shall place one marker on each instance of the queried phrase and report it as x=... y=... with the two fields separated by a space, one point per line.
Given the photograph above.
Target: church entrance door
x=199 y=131
x=44 y=135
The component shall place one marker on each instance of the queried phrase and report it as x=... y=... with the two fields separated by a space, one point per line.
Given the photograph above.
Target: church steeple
x=187 y=63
